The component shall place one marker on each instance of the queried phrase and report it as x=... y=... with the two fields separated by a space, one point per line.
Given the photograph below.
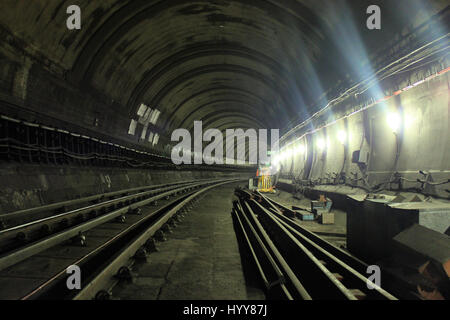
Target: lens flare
x=394 y=120
x=342 y=136
x=300 y=149
x=321 y=144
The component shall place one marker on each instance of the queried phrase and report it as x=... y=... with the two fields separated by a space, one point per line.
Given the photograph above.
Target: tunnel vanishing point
x=352 y=97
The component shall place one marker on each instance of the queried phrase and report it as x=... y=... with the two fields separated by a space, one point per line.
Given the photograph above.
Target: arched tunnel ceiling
x=234 y=44
x=230 y=63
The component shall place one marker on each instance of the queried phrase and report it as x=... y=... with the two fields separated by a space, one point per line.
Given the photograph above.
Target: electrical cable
x=348 y=92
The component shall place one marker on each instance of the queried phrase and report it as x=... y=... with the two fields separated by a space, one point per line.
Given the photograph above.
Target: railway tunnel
x=224 y=149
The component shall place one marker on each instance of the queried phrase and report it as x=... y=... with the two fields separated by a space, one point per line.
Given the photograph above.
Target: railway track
x=295 y=263
x=102 y=235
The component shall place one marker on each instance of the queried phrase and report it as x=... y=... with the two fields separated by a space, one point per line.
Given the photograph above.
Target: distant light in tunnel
x=275 y=161
x=342 y=136
x=281 y=156
x=300 y=149
x=289 y=153
x=321 y=144
x=394 y=121
x=410 y=121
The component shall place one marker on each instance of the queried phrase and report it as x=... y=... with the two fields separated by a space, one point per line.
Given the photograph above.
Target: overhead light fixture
x=289 y=153
x=275 y=163
x=342 y=136
x=275 y=160
x=321 y=144
x=394 y=121
x=300 y=149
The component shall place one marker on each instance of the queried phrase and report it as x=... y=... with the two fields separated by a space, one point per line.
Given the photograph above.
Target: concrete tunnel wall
x=423 y=137
x=31 y=186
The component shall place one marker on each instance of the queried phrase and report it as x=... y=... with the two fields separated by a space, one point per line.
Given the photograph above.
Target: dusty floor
x=335 y=233
x=200 y=259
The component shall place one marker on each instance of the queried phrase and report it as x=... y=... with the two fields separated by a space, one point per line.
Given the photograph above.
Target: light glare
x=394 y=120
x=300 y=149
x=321 y=144
x=289 y=153
x=342 y=136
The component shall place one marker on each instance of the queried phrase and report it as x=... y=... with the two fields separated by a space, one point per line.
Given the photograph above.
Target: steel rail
x=339 y=256
x=323 y=271
x=252 y=251
x=31 y=212
x=10 y=258
x=47 y=284
x=349 y=274
x=292 y=239
x=344 y=268
x=342 y=255
x=290 y=275
x=105 y=278
x=279 y=276
x=55 y=220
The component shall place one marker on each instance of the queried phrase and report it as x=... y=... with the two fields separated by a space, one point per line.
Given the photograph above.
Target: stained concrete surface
x=199 y=261
x=335 y=233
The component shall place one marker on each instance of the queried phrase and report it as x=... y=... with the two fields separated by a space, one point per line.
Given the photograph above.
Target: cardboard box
x=327 y=218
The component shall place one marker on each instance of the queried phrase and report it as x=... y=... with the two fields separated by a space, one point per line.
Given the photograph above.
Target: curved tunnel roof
x=230 y=63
